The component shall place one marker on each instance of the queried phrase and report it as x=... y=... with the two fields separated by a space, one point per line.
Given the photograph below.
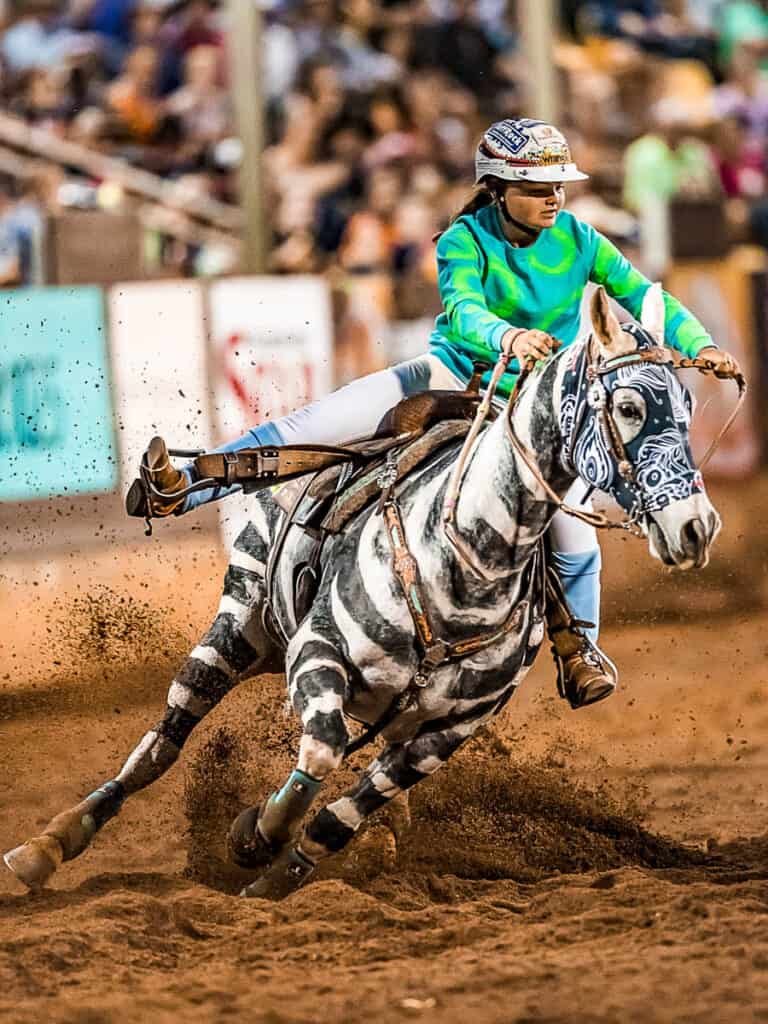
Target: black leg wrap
x=283 y=812
x=75 y=828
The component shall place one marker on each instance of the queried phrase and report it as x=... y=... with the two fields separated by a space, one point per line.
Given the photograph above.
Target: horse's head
x=625 y=418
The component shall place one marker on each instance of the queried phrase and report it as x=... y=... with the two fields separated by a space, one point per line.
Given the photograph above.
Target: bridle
x=595 y=369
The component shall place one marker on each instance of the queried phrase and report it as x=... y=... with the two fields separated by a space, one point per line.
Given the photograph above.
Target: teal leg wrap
x=284 y=810
x=298 y=782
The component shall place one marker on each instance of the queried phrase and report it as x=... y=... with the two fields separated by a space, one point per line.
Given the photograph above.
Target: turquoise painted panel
x=56 y=422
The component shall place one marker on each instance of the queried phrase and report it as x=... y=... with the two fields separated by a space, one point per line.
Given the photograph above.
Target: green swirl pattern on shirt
x=488 y=286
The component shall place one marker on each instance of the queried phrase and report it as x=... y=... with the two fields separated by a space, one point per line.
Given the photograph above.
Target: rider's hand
x=528 y=344
x=724 y=361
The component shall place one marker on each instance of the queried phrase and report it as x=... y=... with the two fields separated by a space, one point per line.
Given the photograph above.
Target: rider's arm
x=459 y=278
x=628 y=286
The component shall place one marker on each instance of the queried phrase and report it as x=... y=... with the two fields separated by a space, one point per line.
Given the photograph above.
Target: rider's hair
x=484 y=193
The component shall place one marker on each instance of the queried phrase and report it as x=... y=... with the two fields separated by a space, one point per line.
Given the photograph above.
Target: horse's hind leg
x=317 y=684
x=234 y=643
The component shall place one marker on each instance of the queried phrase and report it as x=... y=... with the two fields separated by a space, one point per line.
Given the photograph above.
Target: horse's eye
x=629 y=412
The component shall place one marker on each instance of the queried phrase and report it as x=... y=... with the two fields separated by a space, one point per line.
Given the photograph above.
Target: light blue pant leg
x=350 y=412
x=580 y=575
x=265 y=434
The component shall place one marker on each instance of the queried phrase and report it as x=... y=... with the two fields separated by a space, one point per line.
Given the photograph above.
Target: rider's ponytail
x=483 y=195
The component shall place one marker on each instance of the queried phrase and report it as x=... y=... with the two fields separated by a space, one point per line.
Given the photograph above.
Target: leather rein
x=599 y=400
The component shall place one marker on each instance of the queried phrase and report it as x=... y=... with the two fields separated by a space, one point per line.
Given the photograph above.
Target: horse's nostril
x=694 y=537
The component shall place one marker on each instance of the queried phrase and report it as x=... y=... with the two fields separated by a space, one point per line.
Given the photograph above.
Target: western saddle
x=320 y=487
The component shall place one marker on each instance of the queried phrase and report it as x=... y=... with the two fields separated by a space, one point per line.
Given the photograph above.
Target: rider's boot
x=65 y=837
x=165 y=477
x=585 y=674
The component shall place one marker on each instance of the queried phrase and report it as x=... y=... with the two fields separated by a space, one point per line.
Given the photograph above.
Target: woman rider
x=512 y=267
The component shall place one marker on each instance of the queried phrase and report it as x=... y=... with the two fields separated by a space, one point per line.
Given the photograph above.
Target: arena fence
x=88 y=375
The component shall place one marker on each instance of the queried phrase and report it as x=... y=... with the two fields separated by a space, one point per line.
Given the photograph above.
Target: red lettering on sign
x=265 y=390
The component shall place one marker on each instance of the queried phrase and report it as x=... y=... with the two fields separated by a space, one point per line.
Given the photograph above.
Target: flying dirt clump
x=487 y=815
x=105 y=626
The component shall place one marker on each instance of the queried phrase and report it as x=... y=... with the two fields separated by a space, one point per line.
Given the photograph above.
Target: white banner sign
x=158 y=350
x=272 y=352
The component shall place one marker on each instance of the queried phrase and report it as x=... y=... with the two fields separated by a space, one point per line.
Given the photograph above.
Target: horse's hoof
x=35 y=861
x=288 y=872
x=246 y=846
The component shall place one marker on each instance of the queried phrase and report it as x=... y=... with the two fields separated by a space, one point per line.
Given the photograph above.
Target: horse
x=420 y=634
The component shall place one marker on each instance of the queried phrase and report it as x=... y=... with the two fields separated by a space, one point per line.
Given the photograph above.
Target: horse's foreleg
x=234 y=643
x=317 y=685
x=394 y=772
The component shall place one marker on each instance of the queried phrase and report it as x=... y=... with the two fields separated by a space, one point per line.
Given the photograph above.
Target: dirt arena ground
x=605 y=865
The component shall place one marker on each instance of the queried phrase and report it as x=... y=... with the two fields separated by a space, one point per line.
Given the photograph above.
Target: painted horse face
x=651 y=410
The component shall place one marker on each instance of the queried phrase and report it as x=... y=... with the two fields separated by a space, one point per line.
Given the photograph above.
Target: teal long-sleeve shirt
x=488 y=285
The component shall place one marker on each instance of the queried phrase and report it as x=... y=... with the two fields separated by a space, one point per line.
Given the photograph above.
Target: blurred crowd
x=373 y=111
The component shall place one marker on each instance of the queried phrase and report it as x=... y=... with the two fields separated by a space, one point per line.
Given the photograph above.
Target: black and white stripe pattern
x=355 y=652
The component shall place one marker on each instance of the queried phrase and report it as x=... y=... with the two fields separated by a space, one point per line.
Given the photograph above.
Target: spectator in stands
x=110 y=21
x=192 y=23
x=281 y=58
x=39 y=199
x=316 y=29
x=37 y=39
x=461 y=46
x=108 y=18
x=132 y=97
x=740 y=162
x=744 y=94
x=363 y=67
x=393 y=134
x=742 y=23
x=369 y=239
x=649 y=26
x=201 y=104
x=43 y=99
x=10 y=243
x=667 y=161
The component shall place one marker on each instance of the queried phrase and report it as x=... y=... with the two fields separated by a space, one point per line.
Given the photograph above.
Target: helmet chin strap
x=531 y=232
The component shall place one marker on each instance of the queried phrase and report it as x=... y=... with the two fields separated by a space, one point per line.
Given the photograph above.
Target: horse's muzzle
x=682 y=537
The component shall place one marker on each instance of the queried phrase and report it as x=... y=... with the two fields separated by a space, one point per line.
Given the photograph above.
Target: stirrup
x=145 y=499
x=602 y=685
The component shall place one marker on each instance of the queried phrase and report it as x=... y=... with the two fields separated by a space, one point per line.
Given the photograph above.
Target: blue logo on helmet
x=508 y=136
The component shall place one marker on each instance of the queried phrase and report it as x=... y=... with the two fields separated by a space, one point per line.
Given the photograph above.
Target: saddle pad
x=365 y=488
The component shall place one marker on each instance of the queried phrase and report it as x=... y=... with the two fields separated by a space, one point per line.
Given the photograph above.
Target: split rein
x=595 y=370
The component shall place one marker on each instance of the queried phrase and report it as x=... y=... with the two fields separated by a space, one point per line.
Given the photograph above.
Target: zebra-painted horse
x=610 y=410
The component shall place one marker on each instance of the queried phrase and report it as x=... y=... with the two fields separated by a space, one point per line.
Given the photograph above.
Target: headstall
x=598 y=398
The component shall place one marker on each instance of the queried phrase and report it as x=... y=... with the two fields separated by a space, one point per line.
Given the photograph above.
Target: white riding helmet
x=520 y=149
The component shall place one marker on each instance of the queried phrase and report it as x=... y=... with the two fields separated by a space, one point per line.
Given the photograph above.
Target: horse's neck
x=503 y=510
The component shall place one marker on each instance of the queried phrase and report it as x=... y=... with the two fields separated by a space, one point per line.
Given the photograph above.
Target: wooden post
x=537 y=25
x=244 y=49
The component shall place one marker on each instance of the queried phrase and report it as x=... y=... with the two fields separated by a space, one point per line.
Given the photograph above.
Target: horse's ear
x=607 y=328
x=653 y=314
